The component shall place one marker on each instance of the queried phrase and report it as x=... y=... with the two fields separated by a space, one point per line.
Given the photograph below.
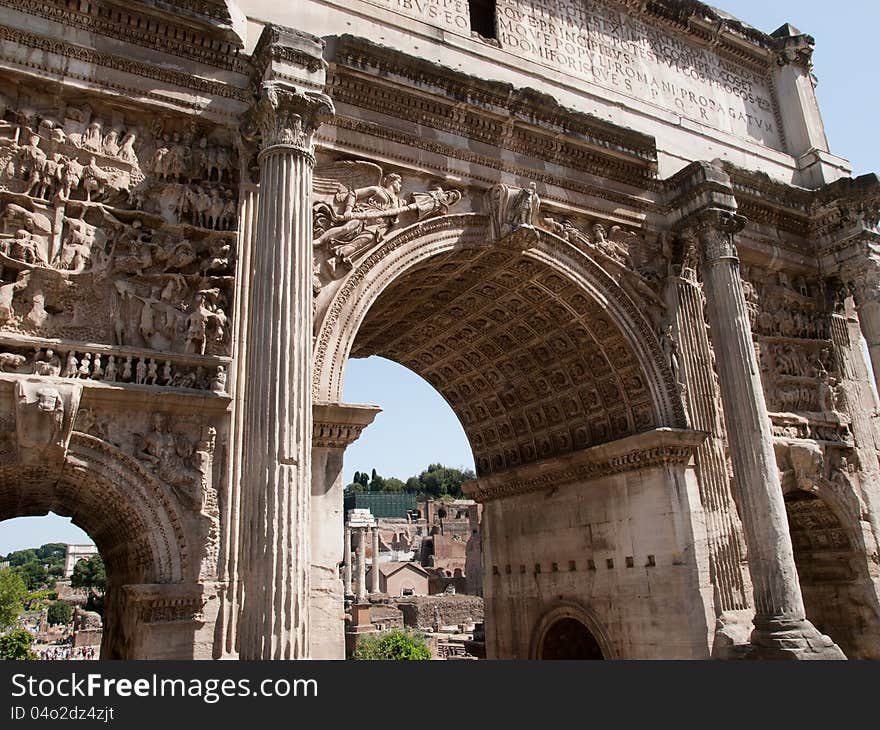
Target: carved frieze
x=356 y=205
x=115 y=228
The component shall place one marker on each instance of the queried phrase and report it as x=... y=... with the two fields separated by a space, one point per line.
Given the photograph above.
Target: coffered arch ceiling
x=533 y=363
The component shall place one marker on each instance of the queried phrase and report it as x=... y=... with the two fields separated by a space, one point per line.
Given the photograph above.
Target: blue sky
x=416 y=426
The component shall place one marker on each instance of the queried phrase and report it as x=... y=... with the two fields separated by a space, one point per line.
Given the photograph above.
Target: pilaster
x=335 y=427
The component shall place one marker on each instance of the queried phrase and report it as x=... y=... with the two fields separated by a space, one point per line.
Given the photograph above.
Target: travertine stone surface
x=206 y=211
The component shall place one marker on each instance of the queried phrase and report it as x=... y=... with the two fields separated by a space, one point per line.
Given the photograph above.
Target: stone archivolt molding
x=115 y=499
x=656 y=448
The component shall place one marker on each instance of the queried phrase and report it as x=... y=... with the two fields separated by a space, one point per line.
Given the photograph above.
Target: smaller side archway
x=571 y=632
x=139 y=527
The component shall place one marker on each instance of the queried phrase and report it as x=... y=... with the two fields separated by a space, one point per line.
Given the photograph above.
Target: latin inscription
x=449 y=14
x=587 y=39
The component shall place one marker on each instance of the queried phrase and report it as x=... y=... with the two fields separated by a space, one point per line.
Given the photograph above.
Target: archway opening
x=65 y=581
x=828 y=567
x=532 y=365
x=569 y=639
x=109 y=500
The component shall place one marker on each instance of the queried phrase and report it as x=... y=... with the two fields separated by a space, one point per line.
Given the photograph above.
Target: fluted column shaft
x=866 y=294
x=347 y=559
x=362 y=565
x=278 y=411
x=374 y=588
x=780 y=618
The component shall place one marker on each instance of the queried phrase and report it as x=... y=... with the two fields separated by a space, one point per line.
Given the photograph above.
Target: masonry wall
x=629 y=549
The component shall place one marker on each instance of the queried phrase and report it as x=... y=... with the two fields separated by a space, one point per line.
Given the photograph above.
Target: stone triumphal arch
x=611 y=235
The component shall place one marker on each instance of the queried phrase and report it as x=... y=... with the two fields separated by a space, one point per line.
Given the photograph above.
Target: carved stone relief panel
x=117 y=226
x=357 y=204
x=791 y=324
x=636 y=260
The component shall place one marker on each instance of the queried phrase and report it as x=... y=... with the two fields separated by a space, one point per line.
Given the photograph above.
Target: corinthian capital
x=715 y=229
x=863 y=280
x=286 y=116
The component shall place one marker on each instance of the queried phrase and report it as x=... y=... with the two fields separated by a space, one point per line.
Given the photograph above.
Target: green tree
x=439 y=481
x=22 y=557
x=89 y=574
x=16 y=645
x=377 y=483
x=394 y=645
x=393 y=484
x=413 y=485
x=34 y=575
x=12 y=592
x=60 y=613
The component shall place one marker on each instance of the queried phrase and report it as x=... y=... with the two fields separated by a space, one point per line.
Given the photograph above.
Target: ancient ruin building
x=609 y=232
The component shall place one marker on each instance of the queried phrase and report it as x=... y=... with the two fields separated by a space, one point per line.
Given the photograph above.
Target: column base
x=790 y=641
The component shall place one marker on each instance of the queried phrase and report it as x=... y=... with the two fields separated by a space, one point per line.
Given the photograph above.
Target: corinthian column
x=278 y=409
x=781 y=628
x=865 y=286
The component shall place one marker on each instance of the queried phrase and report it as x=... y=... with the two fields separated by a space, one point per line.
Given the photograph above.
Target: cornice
x=635 y=205
x=125 y=23
x=442 y=96
x=338 y=425
x=660 y=447
x=89 y=56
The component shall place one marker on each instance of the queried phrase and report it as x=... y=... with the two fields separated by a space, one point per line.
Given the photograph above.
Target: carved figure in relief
x=126 y=369
x=198 y=322
x=94 y=180
x=71 y=177
x=218 y=382
x=85 y=366
x=126 y=149
x=169 y=453
x=111 y=143
x=175 y=161
x=48 y=364
x=71 y=366
x=158 y=165
x=670 y=350
x=92 y=139
x=38 y=315
x=152 y=372
x=11 y=360
x=140 y=372
x=199 y=161
x=31 y=160
x=111 y=371
x=527 y=205
x=97 y=368
x=357 y=206
x=50 y=177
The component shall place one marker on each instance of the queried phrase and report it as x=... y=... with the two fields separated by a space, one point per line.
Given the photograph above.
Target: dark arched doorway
x=569 y=639
x=830 y=573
